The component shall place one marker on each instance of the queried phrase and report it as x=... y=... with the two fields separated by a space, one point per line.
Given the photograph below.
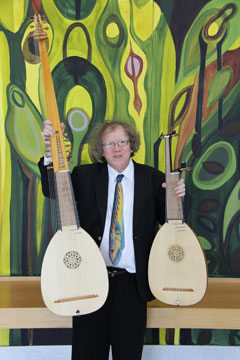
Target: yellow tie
x=116 y=236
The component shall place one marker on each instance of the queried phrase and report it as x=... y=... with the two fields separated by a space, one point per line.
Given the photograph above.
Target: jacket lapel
x=140 y=193
x=101 y=188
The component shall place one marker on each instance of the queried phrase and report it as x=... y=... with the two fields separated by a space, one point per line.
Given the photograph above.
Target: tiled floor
x=149 y=353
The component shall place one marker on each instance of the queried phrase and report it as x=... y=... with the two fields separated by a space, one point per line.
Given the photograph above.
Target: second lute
x=177 y=269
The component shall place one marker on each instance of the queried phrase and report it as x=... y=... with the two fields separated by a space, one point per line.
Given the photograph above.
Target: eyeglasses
x=111 y=144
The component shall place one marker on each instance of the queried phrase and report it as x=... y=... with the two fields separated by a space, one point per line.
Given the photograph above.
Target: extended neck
x=57 y=144
x=173 y=202
x=66 y=206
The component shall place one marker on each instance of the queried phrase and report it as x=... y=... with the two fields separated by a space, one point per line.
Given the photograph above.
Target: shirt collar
x=128 y=172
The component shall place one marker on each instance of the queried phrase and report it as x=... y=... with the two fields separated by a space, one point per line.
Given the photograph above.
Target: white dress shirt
x=127 y=260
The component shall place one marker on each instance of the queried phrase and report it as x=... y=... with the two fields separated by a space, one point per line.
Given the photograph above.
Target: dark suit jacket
x=90 y=184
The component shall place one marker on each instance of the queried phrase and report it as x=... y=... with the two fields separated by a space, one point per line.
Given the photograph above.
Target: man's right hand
x=46 y=133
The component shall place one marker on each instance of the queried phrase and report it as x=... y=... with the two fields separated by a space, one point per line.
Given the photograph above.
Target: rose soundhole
x=176 y=253
x=72 y=260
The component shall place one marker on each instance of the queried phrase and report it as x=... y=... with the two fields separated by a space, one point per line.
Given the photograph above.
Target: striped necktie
x=116 y=236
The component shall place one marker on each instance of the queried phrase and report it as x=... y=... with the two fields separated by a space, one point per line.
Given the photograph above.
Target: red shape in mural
x=133 y=69
x=36 y=5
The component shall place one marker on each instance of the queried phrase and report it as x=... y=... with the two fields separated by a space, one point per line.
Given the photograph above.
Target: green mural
x=164 y=65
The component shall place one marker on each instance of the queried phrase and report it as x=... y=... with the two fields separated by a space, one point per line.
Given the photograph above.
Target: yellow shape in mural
x=124 y=8
x=12 y=14
x=236 y=44
x=77 y=43
x=4 y=337
x=79 y=110
x=5 y=160
x=145 y=19
x=213 y=29
x=39 y=215
x=112 y=30
x=79 y=97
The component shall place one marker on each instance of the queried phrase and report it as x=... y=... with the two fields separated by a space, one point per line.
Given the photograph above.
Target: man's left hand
x=180 y=188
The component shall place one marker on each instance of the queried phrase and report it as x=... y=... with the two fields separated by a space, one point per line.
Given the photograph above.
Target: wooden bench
x=22 y=307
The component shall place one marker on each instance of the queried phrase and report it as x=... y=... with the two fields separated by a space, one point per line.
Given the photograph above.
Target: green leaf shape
x=70 y=10
x=231 y=208
x=222 y=153
x=23 y=128
x=205 y=243
x=218 y=85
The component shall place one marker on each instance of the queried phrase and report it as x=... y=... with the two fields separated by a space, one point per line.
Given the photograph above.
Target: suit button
x=135 y=237
x=99 y=238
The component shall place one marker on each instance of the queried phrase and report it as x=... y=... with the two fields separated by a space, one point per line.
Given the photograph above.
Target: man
x=121 y=322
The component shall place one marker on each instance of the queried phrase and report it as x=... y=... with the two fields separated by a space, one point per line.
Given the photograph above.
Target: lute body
x=74 y=278
x=177 y=268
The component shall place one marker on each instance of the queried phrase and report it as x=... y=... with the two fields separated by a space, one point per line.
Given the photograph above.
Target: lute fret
x=66 y=205
x=60 y=153
x=174 y=203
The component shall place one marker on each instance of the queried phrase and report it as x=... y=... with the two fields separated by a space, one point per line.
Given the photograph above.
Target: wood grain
x=21 y=306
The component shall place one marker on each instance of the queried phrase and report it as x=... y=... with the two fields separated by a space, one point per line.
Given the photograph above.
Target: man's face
x=118 y=157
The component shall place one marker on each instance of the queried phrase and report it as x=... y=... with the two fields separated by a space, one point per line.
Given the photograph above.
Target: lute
x=177 y=268
x=74 y=278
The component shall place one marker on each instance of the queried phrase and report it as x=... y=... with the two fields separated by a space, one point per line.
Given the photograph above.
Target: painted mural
x=164 y=65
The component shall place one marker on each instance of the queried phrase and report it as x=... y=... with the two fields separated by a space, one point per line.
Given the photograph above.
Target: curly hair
x=95 y=140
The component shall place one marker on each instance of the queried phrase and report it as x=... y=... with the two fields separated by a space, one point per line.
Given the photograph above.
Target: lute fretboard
x=66 y=207
x=174 y=209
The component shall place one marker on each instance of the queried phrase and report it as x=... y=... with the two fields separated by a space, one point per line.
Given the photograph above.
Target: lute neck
x=66 y=207
x=57 y=145
x=67 y=216
x=173 y=202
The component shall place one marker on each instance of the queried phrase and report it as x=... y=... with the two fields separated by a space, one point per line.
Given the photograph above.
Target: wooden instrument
x=74 y=278
x=177 y=268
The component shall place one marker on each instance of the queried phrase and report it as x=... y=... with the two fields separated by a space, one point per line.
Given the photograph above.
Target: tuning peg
x=183 y=167
x=162 y=136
